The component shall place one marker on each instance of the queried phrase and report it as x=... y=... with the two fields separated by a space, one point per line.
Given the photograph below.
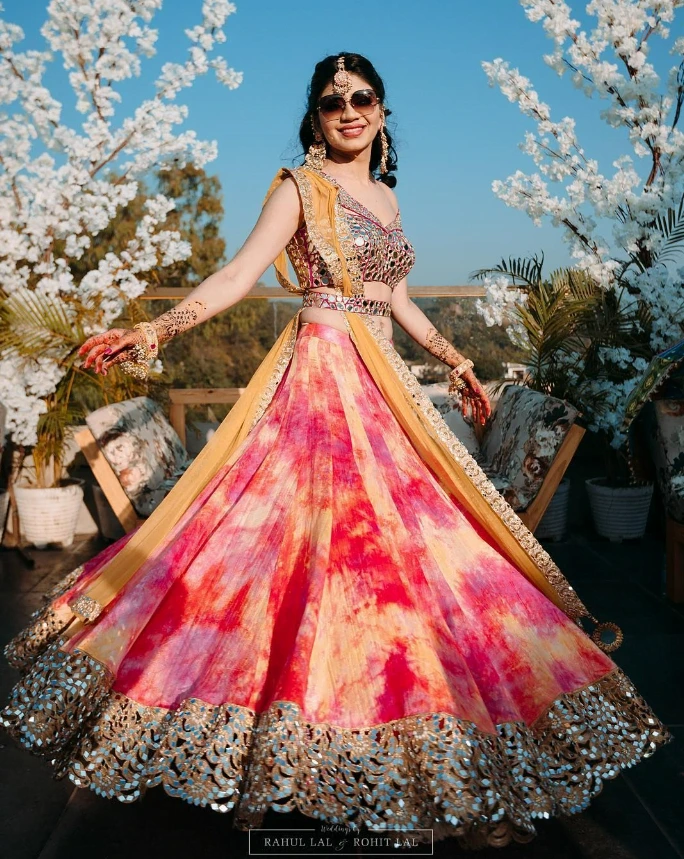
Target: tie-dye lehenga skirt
x=326 y=630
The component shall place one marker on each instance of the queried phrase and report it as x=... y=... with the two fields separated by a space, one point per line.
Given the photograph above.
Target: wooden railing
x=180 y=398
x=279 y=293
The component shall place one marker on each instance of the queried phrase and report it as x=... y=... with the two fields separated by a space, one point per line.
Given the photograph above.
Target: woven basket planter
x=49 y=515
x=620 y=513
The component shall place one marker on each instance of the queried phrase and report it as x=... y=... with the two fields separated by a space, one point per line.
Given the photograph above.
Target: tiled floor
x=640 y=815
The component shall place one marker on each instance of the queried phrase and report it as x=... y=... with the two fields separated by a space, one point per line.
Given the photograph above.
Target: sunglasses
x=332 y=106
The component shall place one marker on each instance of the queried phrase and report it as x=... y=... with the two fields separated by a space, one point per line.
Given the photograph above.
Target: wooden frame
x=108 y=480
x=674 y=560
x=532 y=516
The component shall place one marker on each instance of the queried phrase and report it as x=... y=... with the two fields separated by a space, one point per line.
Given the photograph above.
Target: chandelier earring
x=384 y=147
x=315 y=157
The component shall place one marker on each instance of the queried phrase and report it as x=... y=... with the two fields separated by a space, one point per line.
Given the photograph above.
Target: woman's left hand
x=475 y=397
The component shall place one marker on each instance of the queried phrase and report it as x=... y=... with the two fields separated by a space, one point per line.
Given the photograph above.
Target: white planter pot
x=49 y=515
x=4 y=506
x=554 y=522
x=620 y=513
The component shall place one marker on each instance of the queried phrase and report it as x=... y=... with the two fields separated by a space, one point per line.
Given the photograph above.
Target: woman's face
x=351 y=132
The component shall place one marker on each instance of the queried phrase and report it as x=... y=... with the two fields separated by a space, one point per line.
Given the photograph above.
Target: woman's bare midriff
x=373 y=290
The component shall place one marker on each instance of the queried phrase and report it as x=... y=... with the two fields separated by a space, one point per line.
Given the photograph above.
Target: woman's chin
x=350 y=148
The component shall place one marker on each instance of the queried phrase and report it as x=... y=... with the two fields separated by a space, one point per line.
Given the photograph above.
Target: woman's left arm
x=417 y=325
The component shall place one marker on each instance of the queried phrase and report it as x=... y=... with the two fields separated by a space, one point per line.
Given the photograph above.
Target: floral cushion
x=448 y=407
x=142 y=447
x=521 y=441
x=667 y=445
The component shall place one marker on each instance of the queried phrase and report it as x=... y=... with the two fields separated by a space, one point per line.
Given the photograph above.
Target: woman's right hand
x=109 y=347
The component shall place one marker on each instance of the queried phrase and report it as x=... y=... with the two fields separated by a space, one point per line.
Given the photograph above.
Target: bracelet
x=139 y=367
x=151 y=338
x=462 y=367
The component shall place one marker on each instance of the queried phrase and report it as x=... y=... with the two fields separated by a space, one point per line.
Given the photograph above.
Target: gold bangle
x=151 y=337
x=459 y=370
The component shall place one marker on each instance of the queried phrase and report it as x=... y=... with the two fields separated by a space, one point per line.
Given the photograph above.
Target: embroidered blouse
x=384 y=253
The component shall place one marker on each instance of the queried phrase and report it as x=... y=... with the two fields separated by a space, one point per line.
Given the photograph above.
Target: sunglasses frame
x=347 y=100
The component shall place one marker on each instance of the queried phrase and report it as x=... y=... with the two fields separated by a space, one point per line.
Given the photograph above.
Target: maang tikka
x=342 y=82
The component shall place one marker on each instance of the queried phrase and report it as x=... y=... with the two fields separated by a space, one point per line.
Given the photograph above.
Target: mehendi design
x=440 y=347
x=177 y=320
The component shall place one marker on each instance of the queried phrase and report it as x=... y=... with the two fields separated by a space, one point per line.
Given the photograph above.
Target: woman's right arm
x=277 y=223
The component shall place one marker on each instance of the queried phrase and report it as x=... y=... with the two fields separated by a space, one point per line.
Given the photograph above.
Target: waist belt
x=354 y=303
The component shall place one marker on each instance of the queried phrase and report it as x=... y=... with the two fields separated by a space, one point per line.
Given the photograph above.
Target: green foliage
x=34 y=324
x=569 y=321
x=670 y=226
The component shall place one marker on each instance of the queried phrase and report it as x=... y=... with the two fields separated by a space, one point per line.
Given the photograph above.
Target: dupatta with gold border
x=454 y=467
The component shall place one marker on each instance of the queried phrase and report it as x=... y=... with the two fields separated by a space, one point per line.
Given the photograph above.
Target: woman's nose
x=349 y=111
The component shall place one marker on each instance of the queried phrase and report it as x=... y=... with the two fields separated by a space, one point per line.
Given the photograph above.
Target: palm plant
x=568 y=321
x=34 y=324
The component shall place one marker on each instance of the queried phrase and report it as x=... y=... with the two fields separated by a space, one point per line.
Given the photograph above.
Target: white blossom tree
x=61 y=184
x=622 y=226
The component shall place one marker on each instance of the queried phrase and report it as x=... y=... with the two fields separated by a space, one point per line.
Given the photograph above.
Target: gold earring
x=384 y=150
x=315 y=157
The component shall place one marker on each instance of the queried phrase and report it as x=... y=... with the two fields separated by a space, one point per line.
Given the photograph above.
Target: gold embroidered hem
x=430 y=770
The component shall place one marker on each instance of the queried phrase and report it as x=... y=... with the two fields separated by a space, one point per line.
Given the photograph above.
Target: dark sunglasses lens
x=364 y=99
x=330 y=104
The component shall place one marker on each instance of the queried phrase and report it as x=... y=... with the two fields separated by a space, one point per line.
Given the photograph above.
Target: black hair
x=323 y=74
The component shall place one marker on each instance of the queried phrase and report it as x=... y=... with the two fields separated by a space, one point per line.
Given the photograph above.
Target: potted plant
x=33 y=326
x=582 y=343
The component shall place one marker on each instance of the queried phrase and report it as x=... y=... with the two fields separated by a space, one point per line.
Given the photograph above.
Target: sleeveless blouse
x=385 y=254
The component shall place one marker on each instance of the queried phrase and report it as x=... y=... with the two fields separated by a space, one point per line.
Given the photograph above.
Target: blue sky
x=455 y=134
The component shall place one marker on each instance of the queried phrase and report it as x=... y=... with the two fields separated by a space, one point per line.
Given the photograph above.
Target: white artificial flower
x=597 y=210
x=56 y=193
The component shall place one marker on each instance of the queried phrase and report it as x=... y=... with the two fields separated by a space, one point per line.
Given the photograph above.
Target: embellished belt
x=354 y=303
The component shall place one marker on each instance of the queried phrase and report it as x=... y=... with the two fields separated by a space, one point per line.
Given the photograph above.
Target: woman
x=333 y=611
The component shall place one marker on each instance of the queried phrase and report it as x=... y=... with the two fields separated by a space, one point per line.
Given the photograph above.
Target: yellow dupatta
x=456 y=470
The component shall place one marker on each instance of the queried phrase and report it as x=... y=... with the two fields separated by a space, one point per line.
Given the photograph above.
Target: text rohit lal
x=356 y=841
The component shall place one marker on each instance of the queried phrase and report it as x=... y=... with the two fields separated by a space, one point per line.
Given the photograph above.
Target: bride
x=333 y=611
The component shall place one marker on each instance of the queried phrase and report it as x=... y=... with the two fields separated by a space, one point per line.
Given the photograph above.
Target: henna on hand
x=109 y=347
x=475 y=397
x=177 y=320
x=440 y=347
x=117 y=345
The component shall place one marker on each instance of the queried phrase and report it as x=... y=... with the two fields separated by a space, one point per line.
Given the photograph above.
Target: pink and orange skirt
x=327 y=630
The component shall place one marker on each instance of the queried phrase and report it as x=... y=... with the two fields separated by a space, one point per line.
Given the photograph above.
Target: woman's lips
x=352 y=132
